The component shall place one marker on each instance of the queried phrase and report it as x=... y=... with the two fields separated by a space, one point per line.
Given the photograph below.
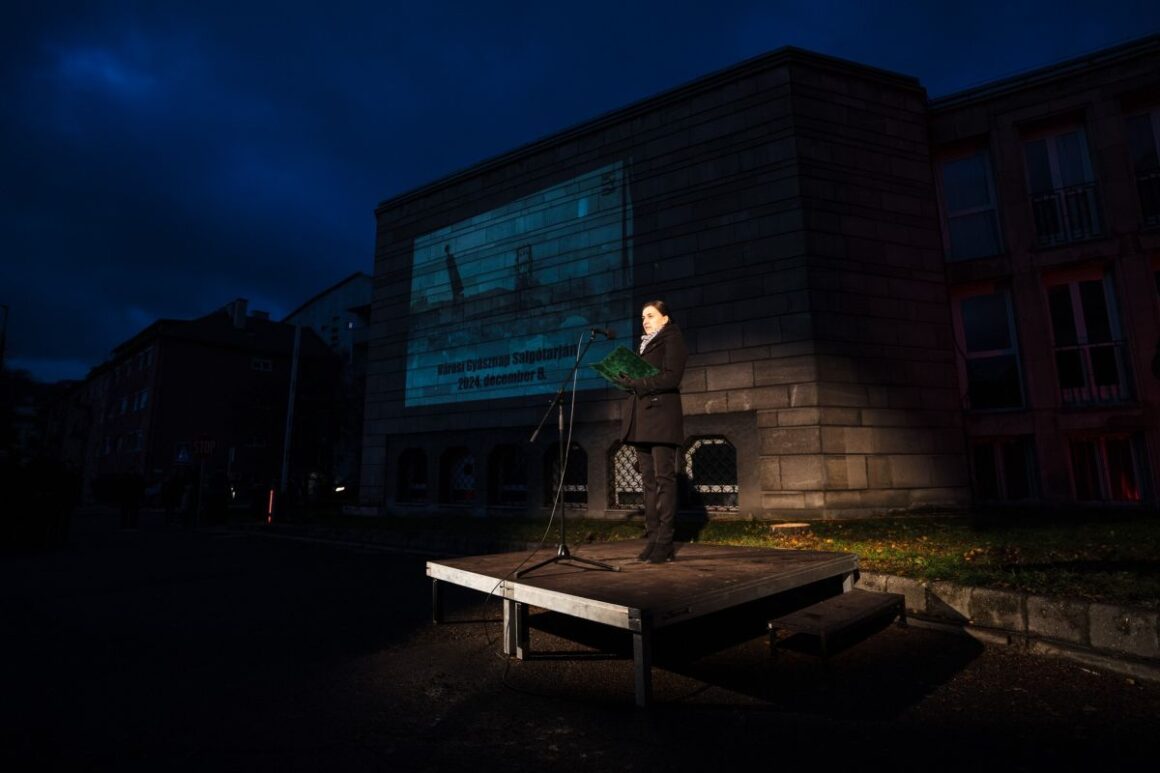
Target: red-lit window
x=1090 y=353
x=1105 y=468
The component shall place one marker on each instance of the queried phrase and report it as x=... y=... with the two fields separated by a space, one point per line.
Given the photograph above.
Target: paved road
x=173 y=650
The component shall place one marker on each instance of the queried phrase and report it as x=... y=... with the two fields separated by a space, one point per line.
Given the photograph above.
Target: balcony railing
x=1066 y=215
x=1092 y=374
x=1148 y=184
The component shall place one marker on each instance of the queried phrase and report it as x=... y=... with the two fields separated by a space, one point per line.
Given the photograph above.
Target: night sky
x=159 y=159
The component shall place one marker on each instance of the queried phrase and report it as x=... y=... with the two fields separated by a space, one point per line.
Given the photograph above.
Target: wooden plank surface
x=702 y=579
x=838 y=612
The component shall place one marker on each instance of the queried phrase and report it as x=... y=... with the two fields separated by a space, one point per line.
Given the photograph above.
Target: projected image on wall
x=500 y=300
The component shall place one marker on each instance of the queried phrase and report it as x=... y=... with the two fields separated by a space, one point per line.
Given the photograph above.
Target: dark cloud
x=161 y=158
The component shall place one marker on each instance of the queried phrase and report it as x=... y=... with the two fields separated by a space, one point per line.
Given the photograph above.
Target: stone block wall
x=1121 y=638
x=784 y=209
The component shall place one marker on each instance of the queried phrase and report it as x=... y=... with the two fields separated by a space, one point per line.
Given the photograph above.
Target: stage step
x=837 y=613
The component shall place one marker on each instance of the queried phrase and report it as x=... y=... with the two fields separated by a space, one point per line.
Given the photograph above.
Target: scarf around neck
x=644 y=339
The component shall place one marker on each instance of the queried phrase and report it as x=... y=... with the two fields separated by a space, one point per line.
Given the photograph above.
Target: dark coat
x=652 y=412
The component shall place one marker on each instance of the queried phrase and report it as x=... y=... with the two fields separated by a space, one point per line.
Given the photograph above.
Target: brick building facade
x=1050 y=190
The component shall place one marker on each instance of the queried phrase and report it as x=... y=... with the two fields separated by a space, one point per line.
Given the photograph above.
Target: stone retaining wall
x=1119 y=638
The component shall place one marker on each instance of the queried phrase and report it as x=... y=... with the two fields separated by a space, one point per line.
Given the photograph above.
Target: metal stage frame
x=640 y=598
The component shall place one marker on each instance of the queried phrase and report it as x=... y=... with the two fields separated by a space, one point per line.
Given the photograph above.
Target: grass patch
x=1112 y=557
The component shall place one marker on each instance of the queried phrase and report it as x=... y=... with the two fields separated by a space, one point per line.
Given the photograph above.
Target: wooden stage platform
x=640 y=598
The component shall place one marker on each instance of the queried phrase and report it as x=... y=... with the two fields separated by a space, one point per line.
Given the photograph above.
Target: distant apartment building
x=340 y=316
x=206 y=401
x=1049 y=190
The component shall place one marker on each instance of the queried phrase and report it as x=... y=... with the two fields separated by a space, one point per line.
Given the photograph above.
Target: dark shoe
x=648 y=549
x=661 y=554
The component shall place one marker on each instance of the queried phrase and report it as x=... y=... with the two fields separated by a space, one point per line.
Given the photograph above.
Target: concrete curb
x=1122 y=639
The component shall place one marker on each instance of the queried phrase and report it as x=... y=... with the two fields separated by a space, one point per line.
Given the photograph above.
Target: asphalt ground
x=170 y=649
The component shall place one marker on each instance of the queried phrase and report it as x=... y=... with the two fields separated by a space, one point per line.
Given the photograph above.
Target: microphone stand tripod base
x=563 y=554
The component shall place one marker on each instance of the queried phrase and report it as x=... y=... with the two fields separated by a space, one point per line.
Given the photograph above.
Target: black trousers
x=658 y=469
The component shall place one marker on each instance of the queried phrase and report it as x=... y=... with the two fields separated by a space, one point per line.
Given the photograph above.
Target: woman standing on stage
x=654 y=425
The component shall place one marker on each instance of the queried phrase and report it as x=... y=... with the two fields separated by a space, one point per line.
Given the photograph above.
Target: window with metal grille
x=575 y=493
x=626 y=488
x=1064 y=200
x=1091 y=356
x=508 y=479
x=411 y=487
x=457 y=477
x=710 y=471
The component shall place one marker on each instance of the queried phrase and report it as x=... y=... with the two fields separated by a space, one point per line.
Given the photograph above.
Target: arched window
x=457 y=477
x=508 y=477
x=710 y=470
x=411 y=480
x=575 y=493
x=625 y=490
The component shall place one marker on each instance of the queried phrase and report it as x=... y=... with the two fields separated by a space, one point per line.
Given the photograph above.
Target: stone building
x=817 y=228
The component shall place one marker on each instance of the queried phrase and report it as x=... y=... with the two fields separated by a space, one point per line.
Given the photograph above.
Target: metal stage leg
x=642 y=663
x=436 y=602
x=509 y=627
x=522 y=641
x=515 y=629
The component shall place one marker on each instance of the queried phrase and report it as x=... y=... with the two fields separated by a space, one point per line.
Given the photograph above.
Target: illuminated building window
x=971 y=217
x=1064 y=201
x=1106 y=468
x=457 y=477
x=1144 y=147
x=1004 y=469
x=626 y=489
x=710 y=471
x=575 y=490
x=1090 y=353
x=508 y=477
x=985 y=329
x=412 y=477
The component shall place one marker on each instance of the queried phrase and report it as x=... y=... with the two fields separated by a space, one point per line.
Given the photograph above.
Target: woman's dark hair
x=660 y=306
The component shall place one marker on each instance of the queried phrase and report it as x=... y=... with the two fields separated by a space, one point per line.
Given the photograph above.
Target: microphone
x=607 y=332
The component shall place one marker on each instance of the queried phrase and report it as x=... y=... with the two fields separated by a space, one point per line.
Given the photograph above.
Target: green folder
x=619 y=361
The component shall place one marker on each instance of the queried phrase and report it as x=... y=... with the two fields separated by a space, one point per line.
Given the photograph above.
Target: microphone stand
x=562 y=552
